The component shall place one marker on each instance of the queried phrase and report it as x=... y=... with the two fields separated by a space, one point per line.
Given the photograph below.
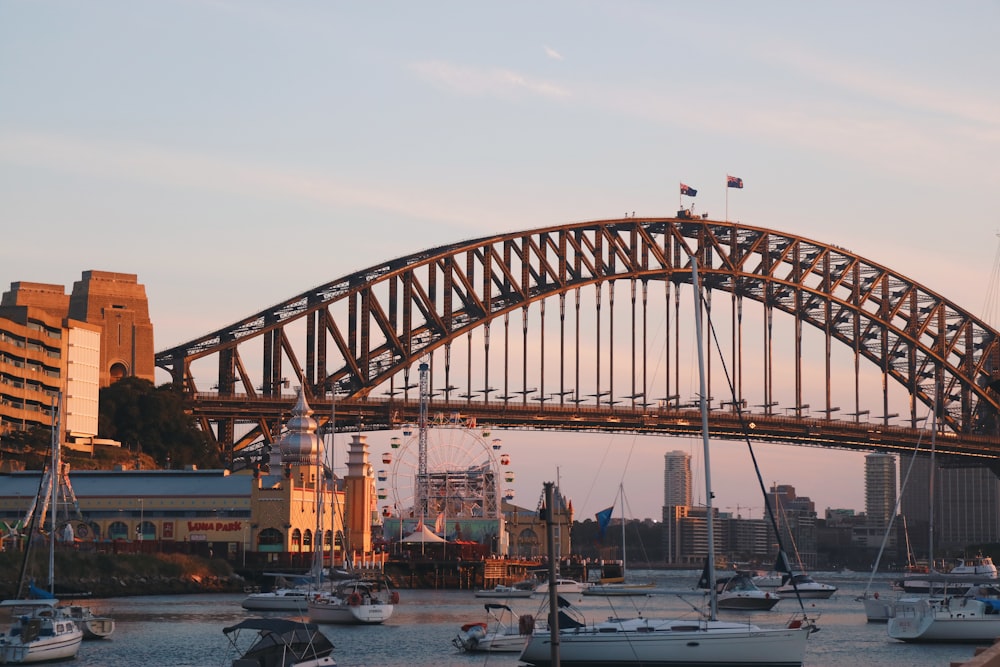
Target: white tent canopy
x=423 y=536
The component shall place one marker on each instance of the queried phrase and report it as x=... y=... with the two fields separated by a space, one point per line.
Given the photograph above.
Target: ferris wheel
x=466 y=473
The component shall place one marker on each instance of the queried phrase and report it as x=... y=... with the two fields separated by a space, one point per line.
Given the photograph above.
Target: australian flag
x=688 y=190
x=603 y=521
x=733 y=182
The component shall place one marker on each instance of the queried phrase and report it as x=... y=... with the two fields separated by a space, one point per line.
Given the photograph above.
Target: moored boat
x=806 y=587
x=280 y=643
x=504 y=592
x=354 y=602
x=770 y=579
x=40 y=631
x=498 y=634
x=739 y=592
x=673 y=641
x=280 y=599
x=619 y=590
x=945 y=619
x=571 y=586
x=93 y=626
x=645 y=641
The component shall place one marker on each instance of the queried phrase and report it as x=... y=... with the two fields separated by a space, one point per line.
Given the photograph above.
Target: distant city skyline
x=232 y=155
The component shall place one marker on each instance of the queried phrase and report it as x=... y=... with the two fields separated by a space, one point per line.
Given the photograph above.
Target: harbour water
x=186 y=631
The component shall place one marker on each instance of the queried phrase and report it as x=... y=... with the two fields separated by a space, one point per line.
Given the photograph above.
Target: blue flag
x=603 y=521
x=733 y=182
x=688 y=190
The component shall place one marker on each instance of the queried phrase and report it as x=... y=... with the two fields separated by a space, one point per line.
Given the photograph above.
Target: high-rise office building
x=676 y=479
x=676 y=503
x=880 y=488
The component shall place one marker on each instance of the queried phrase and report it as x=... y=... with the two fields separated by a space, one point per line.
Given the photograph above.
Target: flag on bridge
x=603 y=521
x=733 y=182
x=688 y=190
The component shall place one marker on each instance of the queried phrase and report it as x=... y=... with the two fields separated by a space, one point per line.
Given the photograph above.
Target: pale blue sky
x=236 y=153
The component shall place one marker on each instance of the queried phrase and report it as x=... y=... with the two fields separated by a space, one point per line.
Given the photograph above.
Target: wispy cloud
x=890 y=87
x=132 y=162
x=552 y=53
x=487 y=82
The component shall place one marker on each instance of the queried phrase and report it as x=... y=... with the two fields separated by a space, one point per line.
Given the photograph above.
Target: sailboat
x=41 y=631
x=570 y=640
x=943 y=616
x=616 y=585
x=358 y=600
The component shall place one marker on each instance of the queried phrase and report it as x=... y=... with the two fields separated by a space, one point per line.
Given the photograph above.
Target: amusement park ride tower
x=447 y=477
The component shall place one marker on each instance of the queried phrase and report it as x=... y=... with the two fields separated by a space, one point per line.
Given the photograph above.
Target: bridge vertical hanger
x=562 y=347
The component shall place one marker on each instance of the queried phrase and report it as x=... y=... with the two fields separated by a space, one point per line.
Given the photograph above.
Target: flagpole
x=727 y=198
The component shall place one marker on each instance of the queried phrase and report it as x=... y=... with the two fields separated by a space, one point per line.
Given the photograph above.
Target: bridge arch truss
x=360 y=337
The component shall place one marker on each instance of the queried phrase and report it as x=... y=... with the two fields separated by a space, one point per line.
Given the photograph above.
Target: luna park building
x=53 y=343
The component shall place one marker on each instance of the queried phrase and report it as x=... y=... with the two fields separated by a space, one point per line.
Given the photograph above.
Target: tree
x=152 y=420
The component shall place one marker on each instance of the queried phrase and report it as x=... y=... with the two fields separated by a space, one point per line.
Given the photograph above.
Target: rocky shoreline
x=119 y=575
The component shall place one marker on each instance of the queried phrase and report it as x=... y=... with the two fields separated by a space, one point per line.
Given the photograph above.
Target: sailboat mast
x=54 y=489
x=621 y=498
x=930 y=476
x=709 y=523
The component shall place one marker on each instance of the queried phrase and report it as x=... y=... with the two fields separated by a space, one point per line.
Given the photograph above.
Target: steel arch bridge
x=353 y=344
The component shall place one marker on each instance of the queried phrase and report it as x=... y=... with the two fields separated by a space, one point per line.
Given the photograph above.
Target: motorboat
x=806 y=587
x=980 y=567
x=40 y=631
x=738 y=591
x=571 y=586
x=945 y=619
x=280 y=642
x=640 y=640
x=93 y=626
x=505 y=592
x=500 y=633
x=358 y=601
x=770 y=579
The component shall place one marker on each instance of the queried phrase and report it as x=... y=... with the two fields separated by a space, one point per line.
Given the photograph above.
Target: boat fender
x=394 y=597
x=876 y=595
x=317 y=597
x=354 y=599
x=525 y=624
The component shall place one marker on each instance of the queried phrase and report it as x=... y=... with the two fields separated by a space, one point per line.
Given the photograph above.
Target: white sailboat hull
x=342 y=613
x=41 y=650
x=276 y=601
x=39 y=634
x=670 y=643
x=944 y=620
